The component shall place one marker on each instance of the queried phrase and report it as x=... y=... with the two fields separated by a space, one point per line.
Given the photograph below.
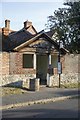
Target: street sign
x=59 y=68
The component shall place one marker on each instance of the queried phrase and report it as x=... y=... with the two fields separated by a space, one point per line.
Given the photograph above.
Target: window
x=27 y=60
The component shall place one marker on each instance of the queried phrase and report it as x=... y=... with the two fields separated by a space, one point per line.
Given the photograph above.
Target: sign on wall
x=59 y=68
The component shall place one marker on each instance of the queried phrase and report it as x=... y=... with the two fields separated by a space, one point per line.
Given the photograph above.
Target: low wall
x=70 y=78
x=18 y=80
x=70 y=72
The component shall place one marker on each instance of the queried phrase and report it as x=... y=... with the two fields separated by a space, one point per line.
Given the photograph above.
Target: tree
x=66 y=23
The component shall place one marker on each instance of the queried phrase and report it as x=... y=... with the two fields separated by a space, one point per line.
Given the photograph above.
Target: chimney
x=6 y=29
x=7 y=24
x=27 y=24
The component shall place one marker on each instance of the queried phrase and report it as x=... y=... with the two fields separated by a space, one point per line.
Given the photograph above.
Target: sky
x=18 y=12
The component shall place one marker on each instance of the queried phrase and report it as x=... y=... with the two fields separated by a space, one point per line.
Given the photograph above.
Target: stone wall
x=0 y=63
x=18 y=80
x=70 y=78
x=70 y=71
x=0 y=68
x=71 y=64
x=12 y=72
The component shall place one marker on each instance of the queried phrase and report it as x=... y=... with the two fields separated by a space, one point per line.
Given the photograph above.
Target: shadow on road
x=41 y=113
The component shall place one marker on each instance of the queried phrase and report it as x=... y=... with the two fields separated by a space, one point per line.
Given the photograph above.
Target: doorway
x=42 y=65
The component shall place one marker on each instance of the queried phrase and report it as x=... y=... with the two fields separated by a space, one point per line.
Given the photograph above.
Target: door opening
x=42 y=65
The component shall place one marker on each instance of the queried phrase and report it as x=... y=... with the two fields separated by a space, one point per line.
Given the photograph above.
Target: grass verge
x=11 y=90
x=72 y=85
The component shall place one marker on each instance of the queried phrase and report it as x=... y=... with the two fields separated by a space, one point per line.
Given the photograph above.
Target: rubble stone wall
x=70 y=72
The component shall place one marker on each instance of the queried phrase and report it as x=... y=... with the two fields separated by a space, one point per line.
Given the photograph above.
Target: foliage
x=66 y=23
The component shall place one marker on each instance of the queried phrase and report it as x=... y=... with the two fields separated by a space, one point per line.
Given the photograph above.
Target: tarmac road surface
x=60 y=109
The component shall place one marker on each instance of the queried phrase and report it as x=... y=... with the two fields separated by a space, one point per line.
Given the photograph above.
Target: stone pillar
x=26 y=83
x=48 y=74
x=34 y=84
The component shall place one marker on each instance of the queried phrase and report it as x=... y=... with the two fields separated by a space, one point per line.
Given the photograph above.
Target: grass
x=72 y=85
x=11 y=90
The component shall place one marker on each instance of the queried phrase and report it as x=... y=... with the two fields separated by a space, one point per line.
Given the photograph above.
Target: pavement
x=44 y=95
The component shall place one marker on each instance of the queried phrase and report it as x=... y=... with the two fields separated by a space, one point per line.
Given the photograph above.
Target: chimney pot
x=7 y=24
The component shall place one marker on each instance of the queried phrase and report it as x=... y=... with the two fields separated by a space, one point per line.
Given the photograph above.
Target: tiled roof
x=18 y=38
x=41 y=34
x=21 y=37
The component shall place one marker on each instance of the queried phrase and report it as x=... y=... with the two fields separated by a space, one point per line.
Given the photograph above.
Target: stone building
x=27 y=54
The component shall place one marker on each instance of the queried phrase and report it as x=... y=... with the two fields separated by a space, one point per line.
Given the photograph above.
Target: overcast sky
x=19 y=11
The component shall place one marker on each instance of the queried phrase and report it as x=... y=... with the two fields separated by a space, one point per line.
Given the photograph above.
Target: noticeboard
x=59 y=68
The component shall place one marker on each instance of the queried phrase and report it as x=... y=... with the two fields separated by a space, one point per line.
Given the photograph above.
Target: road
x=59 y=109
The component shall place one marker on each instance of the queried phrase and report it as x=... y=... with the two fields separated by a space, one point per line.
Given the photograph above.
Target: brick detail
x=16 y=65
x=5 y=31
x=5 y=63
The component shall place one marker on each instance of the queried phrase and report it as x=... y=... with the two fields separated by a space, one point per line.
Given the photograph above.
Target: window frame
x=26 y=65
